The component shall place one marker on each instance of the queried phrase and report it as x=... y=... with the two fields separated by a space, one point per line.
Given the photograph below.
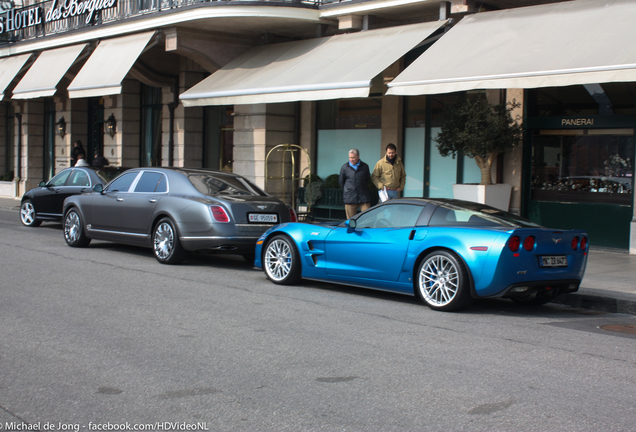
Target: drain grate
x=619 y=328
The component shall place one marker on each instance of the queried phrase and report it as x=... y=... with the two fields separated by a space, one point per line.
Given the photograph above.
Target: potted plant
x=476 y=128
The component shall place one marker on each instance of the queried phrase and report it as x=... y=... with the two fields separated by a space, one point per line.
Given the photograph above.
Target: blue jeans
x=392 y=194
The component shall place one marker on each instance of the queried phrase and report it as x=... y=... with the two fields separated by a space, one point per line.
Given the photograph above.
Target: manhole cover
x=620 y=328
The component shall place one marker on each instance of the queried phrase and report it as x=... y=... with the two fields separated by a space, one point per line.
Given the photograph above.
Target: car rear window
x=451 y=215
x=220 y=184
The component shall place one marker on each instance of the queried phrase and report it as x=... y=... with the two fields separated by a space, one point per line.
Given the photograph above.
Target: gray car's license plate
x=263 y=217
x=554 y=261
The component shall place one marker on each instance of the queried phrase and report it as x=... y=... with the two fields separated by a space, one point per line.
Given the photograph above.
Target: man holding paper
x=389 y=173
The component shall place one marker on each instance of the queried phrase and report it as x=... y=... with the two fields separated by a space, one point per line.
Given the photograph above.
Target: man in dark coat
x=354 y=180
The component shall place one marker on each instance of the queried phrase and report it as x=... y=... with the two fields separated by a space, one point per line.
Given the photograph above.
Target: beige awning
x=46 y=72
x=108 y=65
x=325 y=68
x=567 y=43
x=9 y=68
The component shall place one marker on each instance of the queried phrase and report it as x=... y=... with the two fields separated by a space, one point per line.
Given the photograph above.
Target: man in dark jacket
x=354 y=180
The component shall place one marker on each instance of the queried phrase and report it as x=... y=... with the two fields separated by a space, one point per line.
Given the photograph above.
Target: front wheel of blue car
x=281 y=261
x=442 y=282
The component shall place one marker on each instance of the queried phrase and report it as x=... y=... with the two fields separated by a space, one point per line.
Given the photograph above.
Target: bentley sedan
x=45 y=202
x=446 y=252
x=175 y=210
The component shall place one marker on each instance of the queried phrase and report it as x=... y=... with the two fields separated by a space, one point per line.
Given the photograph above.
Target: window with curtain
x=151 y=107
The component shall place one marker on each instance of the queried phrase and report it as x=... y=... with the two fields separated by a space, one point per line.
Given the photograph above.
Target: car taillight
x=219 y=214
x=583 y=244
x=514 y=243
x=575 y=243
x=292 y=215
x=528 y=243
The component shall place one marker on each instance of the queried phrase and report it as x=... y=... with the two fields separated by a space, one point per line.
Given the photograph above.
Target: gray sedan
x=174 y=210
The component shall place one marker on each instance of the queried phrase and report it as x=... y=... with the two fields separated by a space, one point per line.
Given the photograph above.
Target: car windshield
x=220 y=184
x=473 y=214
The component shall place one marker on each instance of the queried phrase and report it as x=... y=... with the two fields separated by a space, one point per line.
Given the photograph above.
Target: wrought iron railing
x=21 y=22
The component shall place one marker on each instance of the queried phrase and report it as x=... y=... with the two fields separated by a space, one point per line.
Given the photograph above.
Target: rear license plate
x=554 y=261
x=263 y=217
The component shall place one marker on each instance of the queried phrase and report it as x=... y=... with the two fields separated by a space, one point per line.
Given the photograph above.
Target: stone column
x=32 y=136
x=123 y=148
x=513 y=161
x=392 y=114
x=188 y=126
x=258 y=129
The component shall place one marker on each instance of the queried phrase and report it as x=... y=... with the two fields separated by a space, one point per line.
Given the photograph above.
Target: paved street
x=105 y=336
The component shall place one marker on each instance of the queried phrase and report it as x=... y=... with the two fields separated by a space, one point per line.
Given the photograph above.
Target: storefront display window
x=583 y=100
x=345 y=124
x=583 y=166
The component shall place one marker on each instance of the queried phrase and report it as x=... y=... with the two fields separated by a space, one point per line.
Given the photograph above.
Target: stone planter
x=495 y=195
x=8 y=189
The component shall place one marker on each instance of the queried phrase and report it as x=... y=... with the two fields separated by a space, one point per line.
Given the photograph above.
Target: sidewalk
x=609 y=284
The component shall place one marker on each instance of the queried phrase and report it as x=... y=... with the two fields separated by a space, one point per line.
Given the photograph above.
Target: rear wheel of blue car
x=74 y=229
x=442 y=282
x=165 y=243
x=281 y=261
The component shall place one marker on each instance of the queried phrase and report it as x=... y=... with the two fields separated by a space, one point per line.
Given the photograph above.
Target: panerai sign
x=582 y=121
x=13 y=20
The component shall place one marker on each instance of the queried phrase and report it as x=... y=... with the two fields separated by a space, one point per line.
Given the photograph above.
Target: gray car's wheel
x=281 y=261
x=74 y=229
x=27 y=214
x=165 y=243
x=442 y=282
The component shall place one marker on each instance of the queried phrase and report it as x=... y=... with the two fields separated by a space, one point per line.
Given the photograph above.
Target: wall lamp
x=111 y=125
x=61 y=127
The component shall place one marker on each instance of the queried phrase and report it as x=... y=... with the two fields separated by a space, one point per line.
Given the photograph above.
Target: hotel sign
x=18 y=19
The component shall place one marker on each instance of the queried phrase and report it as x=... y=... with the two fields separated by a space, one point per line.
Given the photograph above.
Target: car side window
x=60 y=179
x=79 y=178
x=151 y=182
x=390 y=216
x=122 y=183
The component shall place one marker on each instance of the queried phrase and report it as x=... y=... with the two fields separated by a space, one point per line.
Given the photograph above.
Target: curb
x=595 y=300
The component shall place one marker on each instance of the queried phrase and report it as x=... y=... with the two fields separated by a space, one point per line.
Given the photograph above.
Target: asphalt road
x=106 y=338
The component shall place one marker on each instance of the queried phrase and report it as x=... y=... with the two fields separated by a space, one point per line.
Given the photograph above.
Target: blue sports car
x=447 y=252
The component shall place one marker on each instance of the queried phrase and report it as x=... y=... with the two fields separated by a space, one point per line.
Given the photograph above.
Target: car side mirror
x=350 y=223
x=99 y=188
x=42 y=184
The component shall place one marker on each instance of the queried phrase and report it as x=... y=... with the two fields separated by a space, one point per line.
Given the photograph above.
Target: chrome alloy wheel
x=27 y=213
x=72 y=227
x=439 y=280
x=278 y=259
x=164 y=240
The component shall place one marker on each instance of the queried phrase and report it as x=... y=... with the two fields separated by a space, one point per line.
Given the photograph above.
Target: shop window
x=583 y=100
x=151 y=108
x=593 y=165
x=350 y=114
x=346 y=124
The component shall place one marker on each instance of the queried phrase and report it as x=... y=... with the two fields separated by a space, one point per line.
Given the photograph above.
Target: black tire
x=27 y=215
x=442 y=282
x=281 y=261
x=73 y=226
x=166 y=244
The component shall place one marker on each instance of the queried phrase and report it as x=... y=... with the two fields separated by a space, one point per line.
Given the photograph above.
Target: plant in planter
x=480 y=130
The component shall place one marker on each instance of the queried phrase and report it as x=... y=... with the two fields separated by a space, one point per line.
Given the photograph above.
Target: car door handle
x=120 y=199
x=152 y=200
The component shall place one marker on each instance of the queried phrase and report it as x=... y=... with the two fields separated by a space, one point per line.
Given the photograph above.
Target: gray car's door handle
x=120 y=199
x=153 y=200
